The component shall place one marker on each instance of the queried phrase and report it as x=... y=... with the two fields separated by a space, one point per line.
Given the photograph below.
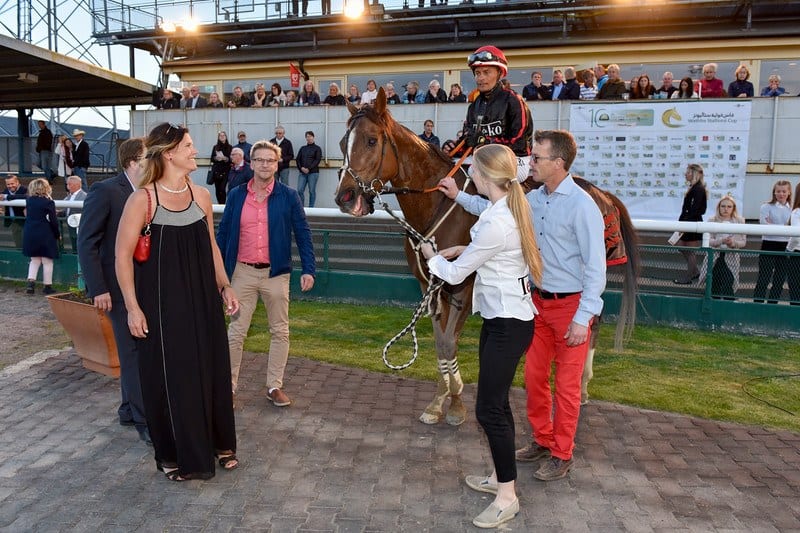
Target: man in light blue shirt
x=569 y=232
x=558 y=84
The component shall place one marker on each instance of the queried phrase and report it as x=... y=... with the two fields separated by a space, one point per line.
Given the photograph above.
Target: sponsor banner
x=639 y=151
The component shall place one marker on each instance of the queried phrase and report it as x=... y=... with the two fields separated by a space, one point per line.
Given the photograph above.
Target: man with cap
x=244 y=145
x=80 y=155
x=498 y=115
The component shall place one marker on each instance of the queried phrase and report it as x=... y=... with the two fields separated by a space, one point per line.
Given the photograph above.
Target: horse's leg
x=446 y=331
x=587 y=368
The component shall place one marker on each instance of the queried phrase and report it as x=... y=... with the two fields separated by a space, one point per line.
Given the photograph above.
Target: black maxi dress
x=184 y=360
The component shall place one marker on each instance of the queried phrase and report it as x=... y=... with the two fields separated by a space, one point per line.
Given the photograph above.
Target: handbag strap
x=149 y=218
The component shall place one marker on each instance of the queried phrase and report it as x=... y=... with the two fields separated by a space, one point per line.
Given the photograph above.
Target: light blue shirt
x=556 y=90
x=569 y=232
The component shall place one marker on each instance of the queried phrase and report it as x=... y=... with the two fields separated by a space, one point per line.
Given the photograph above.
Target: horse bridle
x=368 y=186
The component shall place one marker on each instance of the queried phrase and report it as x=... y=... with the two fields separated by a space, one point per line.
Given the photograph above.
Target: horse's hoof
x=428 y=418
x=455 y=420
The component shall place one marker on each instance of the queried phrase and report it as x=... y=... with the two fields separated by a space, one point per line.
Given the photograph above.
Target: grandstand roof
x=35 y=77
x=512 y=24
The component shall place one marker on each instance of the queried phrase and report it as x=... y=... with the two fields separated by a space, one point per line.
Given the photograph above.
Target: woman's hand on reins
x=449 y=187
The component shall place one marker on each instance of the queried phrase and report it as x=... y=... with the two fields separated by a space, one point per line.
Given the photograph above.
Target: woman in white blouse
x=726 y=265
x=369 y=96
x=503 y=253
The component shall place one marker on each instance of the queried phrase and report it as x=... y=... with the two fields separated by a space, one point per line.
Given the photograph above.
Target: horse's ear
x=352 y=108
x=380 y=101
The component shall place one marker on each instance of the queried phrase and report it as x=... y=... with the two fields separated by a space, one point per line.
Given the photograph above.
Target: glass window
x=789 y=71
x=398 y=80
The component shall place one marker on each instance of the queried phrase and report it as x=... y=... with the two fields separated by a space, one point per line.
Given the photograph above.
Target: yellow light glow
x=189 y=24
x=168 y=26
x=353 y=9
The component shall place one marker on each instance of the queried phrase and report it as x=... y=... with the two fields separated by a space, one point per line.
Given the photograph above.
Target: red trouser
x=554 y=430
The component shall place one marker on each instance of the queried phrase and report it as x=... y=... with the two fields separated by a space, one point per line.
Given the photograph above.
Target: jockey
x=497 y=115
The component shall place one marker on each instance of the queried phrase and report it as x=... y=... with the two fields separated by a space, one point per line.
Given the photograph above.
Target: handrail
x=639 y=224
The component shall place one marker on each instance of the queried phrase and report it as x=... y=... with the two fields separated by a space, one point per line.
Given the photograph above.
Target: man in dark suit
x=15 y=216
x=195 y=101
x=80 y=156
x=97 y=235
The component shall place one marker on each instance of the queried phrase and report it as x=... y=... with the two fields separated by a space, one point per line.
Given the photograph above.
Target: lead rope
x=427 y=304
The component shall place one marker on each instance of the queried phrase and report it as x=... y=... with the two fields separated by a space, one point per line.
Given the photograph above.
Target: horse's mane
x=396 y=129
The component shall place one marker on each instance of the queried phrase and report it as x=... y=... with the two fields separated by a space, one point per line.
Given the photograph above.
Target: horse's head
x=370 y=157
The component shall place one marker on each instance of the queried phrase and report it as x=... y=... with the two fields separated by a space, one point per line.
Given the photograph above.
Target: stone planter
x=90 y=330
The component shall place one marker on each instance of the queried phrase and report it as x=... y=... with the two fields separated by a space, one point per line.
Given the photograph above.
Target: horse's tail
x=630 y=283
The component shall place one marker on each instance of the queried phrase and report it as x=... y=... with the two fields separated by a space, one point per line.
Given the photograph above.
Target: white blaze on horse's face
x=350 y=142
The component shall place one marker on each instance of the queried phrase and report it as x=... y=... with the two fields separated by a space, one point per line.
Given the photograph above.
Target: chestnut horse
x=378 y=150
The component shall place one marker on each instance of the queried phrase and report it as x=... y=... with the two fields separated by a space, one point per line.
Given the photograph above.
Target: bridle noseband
x=372 y=187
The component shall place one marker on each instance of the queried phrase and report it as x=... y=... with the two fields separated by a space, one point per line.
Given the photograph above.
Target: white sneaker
x=481 y=484
x=493 y=516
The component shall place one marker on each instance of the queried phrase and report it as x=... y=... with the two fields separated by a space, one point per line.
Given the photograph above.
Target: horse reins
x=426 y=305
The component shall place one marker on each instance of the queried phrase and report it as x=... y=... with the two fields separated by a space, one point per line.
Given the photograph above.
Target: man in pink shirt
x=254 y=237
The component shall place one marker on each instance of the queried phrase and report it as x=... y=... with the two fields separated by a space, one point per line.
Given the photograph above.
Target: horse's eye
x=372 y=142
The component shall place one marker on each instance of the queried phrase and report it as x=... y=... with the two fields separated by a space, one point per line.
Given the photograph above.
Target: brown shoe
x=532 y=452
x=553 y=469
x=279 y=398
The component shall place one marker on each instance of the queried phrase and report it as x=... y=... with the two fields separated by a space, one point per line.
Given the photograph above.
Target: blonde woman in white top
x=726 y=265
x=794 y=246
x=503 y=254
x=772 y=268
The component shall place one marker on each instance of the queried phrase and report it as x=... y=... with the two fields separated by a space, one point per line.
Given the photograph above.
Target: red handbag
x=142 y=251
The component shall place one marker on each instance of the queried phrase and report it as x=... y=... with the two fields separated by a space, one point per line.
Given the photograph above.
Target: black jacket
x=500 y=116
x=44 y=142
x=309 y=156
x=440 y=98
x=97 y=235
x=287 y=152
x=531 y=92
x=80 y=155
x=570 y=91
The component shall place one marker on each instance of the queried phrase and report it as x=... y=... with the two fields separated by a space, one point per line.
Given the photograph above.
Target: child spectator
x=40 y=235
x=772 y=268
x=726 y=265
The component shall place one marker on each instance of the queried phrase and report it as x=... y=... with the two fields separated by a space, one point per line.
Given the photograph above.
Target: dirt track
x=28 y=324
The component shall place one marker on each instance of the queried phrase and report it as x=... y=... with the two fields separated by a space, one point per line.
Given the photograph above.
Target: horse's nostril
x=347 y=196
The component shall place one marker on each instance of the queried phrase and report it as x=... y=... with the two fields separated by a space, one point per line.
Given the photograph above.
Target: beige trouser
x=250 y=283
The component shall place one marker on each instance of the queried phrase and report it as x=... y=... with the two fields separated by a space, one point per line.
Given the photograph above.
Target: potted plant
x=90 y=330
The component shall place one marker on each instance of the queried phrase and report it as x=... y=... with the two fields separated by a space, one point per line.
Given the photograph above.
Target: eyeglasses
x=537 y=158
x=173 y=127
x=262 y=160
x=484 y=55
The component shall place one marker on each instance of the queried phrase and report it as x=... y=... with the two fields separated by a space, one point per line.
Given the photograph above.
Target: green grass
x=693 y=372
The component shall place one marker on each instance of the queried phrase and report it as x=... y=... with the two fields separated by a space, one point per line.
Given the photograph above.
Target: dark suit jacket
x=97 y=235
x=80 y=155
x=12 y=212
x=201 y=102
x=570 y=91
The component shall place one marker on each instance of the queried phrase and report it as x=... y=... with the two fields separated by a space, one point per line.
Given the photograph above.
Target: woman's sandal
x=173 y=475
x=228 y=461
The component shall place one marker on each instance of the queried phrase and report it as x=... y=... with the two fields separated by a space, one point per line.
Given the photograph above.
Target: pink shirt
x=253 y=233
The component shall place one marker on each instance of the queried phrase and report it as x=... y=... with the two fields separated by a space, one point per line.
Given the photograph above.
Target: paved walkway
x=349 y=455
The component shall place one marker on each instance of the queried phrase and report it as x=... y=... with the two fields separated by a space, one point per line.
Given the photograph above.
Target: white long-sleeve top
x=775 y=214
x=495 y=253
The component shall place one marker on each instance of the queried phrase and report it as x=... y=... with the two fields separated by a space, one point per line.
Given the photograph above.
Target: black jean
x=771 y=268
x=502 y=343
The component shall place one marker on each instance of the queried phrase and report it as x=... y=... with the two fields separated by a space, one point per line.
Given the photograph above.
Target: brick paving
x=349 y=455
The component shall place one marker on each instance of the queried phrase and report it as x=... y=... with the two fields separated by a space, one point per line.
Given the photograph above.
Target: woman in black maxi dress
x=175 y=311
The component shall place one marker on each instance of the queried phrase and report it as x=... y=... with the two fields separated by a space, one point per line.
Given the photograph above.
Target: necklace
x=167 y=189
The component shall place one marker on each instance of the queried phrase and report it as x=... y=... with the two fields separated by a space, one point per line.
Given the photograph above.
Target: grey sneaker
x=532 y=452
x=481 y=484
x=552 y=469
x=493 y=516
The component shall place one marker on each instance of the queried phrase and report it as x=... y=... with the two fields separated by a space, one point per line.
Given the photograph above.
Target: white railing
x=666 y=226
